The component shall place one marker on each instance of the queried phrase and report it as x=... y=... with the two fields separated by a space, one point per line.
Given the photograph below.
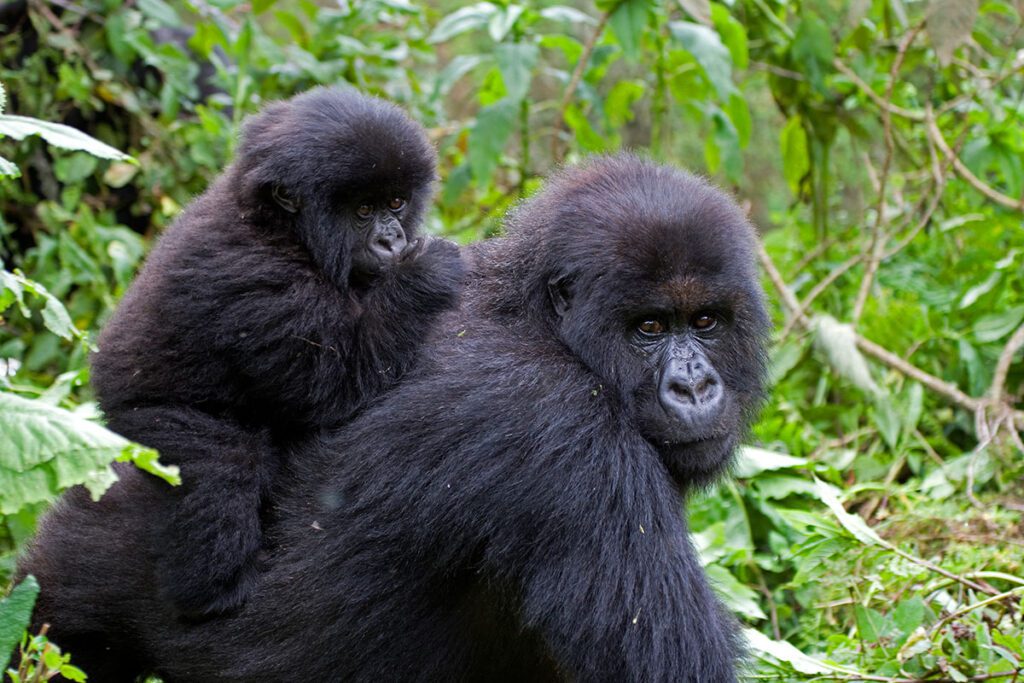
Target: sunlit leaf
x=707 y=48
x=462 y=20
x=58 y=135
x=15 y=612
x=854 y=524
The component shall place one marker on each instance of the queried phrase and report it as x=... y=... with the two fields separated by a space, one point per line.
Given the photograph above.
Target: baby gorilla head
x=351 y=175
x=649 y=277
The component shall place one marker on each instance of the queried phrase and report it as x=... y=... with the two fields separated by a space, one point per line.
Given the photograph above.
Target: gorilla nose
x=388 y=244
x=691 y=390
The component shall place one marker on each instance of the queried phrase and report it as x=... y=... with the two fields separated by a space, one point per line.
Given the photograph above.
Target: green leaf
x=814 y=48
x=462 y=20
x=739 y=114
x=751 y=461
x=15 y=613
x=502 y=22
x=628 y=22
x=160 y=12
x=796 y=161
x=995 y=326
x=55 y=316
x=707 y=48
x=488 y=136
x=733 y=34
x=3 y=105
x=738 y=597
x=618 y=106
x=8 y=169
x=48 y=449
x=587 y=137
x=516 y=62
x=779 y=650
x=567 y=14
x=909 y=614
x=456 y=69
x=870 y=623
x=146 y=459
x=58 y=135
x=857 y=527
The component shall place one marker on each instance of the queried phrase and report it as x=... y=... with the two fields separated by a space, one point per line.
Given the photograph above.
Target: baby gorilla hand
x=430 y=271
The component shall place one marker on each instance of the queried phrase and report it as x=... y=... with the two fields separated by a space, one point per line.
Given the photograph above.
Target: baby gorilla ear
x=284 y=199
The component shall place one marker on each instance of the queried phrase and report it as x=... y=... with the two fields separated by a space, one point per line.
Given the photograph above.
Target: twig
x=995 y=391
x=574 y=81
x=912 y=115
x=961 y=169
x=874 y=252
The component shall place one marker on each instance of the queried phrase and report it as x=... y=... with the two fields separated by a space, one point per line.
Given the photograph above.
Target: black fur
x=503 y=514
x=249 y=325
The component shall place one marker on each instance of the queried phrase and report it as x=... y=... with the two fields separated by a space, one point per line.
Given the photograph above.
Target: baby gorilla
x=281 y=300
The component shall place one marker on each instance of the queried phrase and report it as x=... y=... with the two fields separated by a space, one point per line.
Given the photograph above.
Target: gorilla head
x=648 y=276
x=351 y=175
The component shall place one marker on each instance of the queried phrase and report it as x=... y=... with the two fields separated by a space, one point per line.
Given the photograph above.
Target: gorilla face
x=671 y=317
x=353 y=187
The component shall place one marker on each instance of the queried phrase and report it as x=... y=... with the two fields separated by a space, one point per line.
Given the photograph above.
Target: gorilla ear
x=560 y=291
x=283 y=199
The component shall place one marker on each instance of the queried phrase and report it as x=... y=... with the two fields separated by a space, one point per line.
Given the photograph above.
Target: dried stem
x=557 y=151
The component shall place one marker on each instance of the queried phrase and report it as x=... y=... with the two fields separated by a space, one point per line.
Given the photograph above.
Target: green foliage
x=875 y=530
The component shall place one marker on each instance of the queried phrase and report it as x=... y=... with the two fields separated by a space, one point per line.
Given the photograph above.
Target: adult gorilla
x=513 y=510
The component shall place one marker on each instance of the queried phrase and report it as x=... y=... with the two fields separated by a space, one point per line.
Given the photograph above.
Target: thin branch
x=961 y=169
x=909 y=114
x=874 y=252
x=995 y=392
x=574 y=82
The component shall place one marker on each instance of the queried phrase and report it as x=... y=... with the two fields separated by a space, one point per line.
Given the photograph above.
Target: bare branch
x=961 y=169
x=1003 y=366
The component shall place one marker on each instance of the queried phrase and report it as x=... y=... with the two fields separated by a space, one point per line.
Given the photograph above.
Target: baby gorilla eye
x=364 y=211
x=704 y=322
x=396 y=204
x=651 y=327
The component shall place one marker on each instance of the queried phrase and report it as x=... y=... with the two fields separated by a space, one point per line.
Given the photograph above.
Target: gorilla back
x=512 y=511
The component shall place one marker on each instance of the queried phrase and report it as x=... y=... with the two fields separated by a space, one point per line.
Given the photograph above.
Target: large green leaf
x=487 y=138
x=58 y=135
x=628 y=22
x=462 y=20
x=707 y=48
x=15 y=612
x=48 y=449
x=516 y=62
x=796 y=160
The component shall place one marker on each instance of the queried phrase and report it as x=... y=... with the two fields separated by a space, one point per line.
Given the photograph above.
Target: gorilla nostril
x=682 y=391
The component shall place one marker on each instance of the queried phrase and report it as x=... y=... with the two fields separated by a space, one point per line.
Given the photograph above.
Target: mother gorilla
x=513 y=510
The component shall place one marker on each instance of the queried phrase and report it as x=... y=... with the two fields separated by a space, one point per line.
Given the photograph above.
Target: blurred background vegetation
x=874 y=530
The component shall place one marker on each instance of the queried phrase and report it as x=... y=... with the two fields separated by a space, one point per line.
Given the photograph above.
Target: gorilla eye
x=396 y=204
x=704 y=322
x=364 y=211
x=651 y=327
